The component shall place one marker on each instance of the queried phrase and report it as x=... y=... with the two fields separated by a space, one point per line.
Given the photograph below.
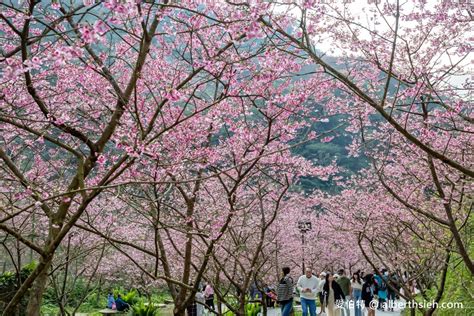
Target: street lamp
x=304 y=226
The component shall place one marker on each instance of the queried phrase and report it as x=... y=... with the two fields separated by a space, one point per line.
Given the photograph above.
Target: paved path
x=276 y=312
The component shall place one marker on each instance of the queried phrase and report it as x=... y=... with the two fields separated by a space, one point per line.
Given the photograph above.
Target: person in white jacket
x=308 y=288
x=200 y=300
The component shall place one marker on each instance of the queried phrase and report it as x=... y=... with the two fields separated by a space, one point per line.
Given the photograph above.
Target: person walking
x=333 y=296
x=285 y=292
x=345 y=284
x=254 y=291
x=356 y=287
x=369 y=290
x=391 y=296
x=307 y=286
x=322 y=281
x=382 y=288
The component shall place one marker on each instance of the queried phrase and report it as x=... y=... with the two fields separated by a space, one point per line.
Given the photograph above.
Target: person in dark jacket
x=121 y=304
x=191 y=308
x=369 y=291
x=394 y=286
x=333 y=295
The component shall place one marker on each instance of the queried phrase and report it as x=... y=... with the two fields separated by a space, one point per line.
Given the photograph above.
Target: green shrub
x=131 y=297
x=160 y=296
x=49 y=309
x=8 y=279
x=459 y=288
x=27 y=269
x=252 y=309
x=140 y=309
x=9 y=284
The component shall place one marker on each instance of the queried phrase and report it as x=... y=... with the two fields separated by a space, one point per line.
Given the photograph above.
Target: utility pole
x=304 y=226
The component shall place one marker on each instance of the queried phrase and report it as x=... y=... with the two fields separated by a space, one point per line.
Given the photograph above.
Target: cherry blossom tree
x=94 y=94
x=173 y=205
x=243 y=255
x=405 y=64
x=390 y=235
x=151 y=124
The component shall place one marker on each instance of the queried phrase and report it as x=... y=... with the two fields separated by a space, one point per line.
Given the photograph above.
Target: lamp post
x=304 y=226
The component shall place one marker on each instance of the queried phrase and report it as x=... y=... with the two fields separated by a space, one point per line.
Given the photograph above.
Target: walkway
x=276 y=312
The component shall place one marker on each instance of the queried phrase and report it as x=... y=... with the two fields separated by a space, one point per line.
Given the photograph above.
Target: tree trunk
x=241 y=311
x=219 y=305
x=99 y=291
x=264 y=304
x=37 y=290
x=179 y=311
x=39 y=284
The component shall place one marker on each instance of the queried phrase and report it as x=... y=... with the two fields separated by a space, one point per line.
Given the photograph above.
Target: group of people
x=332 y=290
x=117 y=303
x=203 y=299
x=335 y=290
